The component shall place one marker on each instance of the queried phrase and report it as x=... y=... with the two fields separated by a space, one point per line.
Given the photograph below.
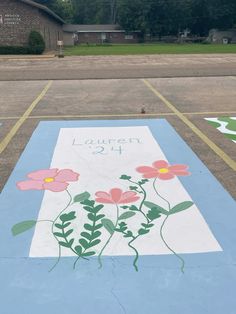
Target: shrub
x=13 y=50
x=36 y=43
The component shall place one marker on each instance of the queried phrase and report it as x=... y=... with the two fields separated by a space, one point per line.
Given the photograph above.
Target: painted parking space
x=160 y=234
x=226 y=125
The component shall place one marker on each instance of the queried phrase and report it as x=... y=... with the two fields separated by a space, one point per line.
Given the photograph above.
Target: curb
x=26 y=57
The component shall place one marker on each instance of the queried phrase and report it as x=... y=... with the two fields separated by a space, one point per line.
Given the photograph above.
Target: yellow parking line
x=121 y=115
x=18 y=124
x=229 y=161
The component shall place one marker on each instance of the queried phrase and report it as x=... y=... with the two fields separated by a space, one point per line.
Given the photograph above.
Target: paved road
x=111 y=67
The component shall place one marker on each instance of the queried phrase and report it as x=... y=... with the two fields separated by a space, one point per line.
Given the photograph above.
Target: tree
x=132 y=15
x=64 y=8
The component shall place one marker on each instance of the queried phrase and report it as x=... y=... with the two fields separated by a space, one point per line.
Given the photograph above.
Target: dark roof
x=45 y=9
x=92 y=28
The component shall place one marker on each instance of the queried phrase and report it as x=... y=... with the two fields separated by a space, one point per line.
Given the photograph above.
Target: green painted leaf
x=128 y=234
x=126 y=215
x=88 y=227
x=133 y=207
x=86 y=235
x=99 y=217
x=88 y=253
x=154 y=213
x=84 y=243
x=65 y=225
x=68 y=217
x=98 y=208
x=133 y=188
x=95 y=235
x=143 y=181
x=88 y=209
x=78 y=249
x=147 y=225
x=95 y=242
x=23 y=226
x=88 y=203
x=125 y=177
x=180 y=207
x=118 y=230
x=68 y=232
x=142 y=231
x=59 y=226
x=108 y=224
x=91 y=217
x=71 y=242
x=81 y=197
x=65 y=244
x=122 y=224
x=98 y=226
x=58 y=234
x=159 y=208
x=123 y=228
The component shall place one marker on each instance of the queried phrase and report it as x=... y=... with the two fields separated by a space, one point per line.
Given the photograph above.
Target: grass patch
x=140 y=49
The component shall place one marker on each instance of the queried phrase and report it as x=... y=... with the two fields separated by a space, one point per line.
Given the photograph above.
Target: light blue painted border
x=159 y=286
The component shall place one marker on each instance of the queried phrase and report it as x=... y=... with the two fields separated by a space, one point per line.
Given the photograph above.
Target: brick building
x=19 y=17
x=97 y=34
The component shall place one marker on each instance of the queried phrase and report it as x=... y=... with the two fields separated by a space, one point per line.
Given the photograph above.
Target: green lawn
x=139 y=49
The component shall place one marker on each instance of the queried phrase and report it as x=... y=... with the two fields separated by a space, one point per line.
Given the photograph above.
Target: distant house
x=222 y=37
x=97 y=34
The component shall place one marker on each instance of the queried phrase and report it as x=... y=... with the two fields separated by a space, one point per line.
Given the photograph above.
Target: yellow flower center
x=49 y=180
x=163 y=170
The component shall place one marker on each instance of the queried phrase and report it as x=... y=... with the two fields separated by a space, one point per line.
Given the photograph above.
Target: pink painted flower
x=162 y=170
x=50 y=179
x=116 y=196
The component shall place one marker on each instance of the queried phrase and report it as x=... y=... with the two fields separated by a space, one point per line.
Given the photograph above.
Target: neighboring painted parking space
x=226 y=125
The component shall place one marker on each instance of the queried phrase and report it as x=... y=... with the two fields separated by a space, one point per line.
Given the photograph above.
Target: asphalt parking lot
x=183 y=101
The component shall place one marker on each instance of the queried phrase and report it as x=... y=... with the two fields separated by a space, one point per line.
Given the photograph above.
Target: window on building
x=129 y=36
x=103 y=36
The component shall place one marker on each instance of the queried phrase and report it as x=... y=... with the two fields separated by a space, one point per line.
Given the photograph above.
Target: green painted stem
x=136 y=253
x=58 y=259
x=154 y=182
x=166 y=244
x=59 y=253
x=80 y=256
x=76 y=262
x=143 y=200
x=53 y=223
x=161 y=230
x=109 y=239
